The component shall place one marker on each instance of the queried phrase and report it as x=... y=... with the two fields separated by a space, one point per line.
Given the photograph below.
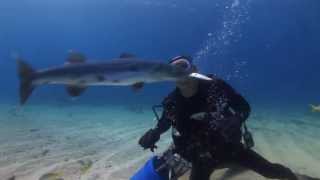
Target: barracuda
x=77 y=75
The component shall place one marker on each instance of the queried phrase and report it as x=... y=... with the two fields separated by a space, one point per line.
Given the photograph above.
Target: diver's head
x=185 y=62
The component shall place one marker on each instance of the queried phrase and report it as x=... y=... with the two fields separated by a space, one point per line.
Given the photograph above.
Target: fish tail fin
x=26 y=76
x=313 y=108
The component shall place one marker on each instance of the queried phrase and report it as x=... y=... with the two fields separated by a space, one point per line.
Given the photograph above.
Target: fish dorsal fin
x=74 y=90
x=127 y=55
x=137 y=86
x=75 y=58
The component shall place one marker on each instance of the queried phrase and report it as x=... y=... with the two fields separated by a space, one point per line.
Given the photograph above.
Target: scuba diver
x=208 y=131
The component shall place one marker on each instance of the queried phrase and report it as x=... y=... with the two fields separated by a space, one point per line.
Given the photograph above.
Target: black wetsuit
x=216 y=139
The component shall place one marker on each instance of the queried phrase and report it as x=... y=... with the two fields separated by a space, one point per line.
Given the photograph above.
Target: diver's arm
x=152 y=136
x=237 y=104
x=168 y=112
x=163 y=125
x=227 y=101
x=231 y=109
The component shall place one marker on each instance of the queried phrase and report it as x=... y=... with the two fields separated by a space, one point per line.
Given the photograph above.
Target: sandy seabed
x=81 y=142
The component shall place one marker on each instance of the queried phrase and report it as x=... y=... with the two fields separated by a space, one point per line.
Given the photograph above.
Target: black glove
x=149 y=139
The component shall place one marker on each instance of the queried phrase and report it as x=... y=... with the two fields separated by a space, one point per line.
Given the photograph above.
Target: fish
x=77 y=74
x=315 y=108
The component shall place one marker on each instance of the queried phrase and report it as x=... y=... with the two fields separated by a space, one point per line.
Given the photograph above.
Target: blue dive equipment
x=149 y=172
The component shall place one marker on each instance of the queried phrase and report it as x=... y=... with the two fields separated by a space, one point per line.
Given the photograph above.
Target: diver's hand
x=149 y=139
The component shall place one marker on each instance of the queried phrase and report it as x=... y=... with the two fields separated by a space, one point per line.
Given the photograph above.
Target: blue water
x=267 y=49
